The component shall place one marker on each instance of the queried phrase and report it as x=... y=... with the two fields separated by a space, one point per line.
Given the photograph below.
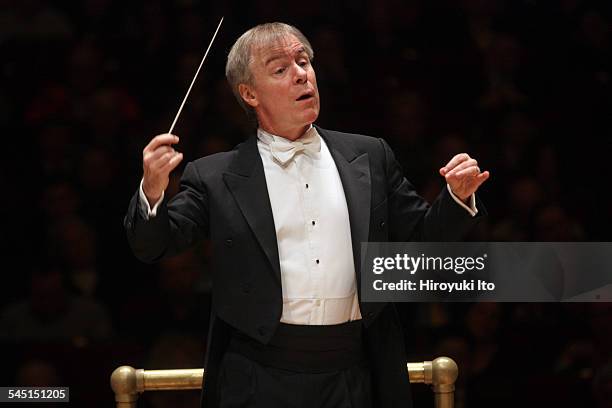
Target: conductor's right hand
x=158 y=159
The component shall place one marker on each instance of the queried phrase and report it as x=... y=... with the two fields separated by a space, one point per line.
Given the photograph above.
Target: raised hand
x=463 y=175
x=158 y=159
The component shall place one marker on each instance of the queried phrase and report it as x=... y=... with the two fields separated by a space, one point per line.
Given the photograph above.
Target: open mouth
x=305 y=96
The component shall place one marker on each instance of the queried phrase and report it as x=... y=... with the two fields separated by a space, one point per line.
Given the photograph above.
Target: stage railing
x=128 y=382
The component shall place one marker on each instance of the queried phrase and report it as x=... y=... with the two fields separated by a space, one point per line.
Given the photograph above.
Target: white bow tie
x=284 y=150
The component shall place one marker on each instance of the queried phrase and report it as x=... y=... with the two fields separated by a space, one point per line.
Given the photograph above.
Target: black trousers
x=245 y=383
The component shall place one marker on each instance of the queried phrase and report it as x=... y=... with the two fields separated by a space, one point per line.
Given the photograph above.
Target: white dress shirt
x=313 y=233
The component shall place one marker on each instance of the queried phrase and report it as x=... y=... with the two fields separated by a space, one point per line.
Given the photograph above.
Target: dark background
x=522 y=85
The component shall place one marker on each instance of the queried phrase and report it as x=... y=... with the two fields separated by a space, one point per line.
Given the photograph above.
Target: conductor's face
x=283 y=91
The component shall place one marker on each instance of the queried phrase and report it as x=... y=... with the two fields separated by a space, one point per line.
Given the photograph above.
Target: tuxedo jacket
x=224 y=198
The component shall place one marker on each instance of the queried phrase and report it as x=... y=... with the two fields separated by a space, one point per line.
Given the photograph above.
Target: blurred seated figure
x=52 y=313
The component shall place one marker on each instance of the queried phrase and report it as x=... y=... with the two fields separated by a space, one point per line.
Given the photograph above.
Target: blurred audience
x=86 y=85
x=52 y=313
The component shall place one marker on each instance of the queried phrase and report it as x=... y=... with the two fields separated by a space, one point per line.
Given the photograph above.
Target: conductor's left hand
x=463 y=176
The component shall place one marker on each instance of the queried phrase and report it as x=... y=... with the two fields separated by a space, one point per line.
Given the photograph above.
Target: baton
x=194 y=77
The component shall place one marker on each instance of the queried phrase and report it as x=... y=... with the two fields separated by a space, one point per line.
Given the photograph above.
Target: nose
x=300 y=75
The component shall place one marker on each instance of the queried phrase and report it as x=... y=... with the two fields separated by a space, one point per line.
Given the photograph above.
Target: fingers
x=463 y=175
x=454 y=162
x=462 y=167
x=167 y=158
x=479 y=179
x=159 y=140
x=482 y=177
x=158 y=160
x=172 y=162
x=469 y=171
x=159 y=152
x=161 y=164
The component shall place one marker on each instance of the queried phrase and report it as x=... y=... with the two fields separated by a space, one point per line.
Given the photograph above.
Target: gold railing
x=127 y=382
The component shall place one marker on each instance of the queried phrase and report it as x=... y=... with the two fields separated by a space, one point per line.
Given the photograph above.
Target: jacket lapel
x=354 y=170
x=247 y=182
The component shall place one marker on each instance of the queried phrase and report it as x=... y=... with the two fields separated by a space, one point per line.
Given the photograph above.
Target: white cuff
x=471 y=209
x=145 y=209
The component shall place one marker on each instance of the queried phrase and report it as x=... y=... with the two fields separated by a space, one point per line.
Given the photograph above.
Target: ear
x=248 y=95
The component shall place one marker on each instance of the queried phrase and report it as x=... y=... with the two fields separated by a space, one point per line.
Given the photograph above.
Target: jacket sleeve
x=412 y=218
x=179 y=223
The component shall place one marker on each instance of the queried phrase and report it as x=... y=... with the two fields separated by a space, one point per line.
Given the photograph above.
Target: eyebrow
x=280 y=55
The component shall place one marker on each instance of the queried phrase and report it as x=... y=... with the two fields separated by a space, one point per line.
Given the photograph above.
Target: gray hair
x=237 y=69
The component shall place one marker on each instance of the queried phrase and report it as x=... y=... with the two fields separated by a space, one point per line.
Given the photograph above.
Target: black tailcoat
x=224 y=198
